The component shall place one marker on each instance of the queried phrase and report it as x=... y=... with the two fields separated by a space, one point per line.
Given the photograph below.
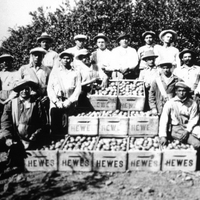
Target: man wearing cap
x=167 y=51
x=80 y=41
x=148 y=37
x=181 y=113
x=189 y=72
x=102 y=55
x=162 y=88
x=35 y=70
x=45 y=42
x=64 y=88
x=23 y=123
x=124 y=59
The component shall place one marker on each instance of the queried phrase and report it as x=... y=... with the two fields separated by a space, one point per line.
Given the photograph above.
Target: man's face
x=181 y=92
x=150 y=61
x=86 y=59
x=124 y=42
x=101 y=43
x=6 y=64
x=168 y=38
x=66 y=61
x=148 y=39
x=80 y=43
x=25 y=92
x=45 y=44
x=167 y=70
x=187 y=59
x=37 y=58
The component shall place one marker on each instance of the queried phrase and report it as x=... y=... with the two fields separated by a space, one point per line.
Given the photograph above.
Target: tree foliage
x=111 y=17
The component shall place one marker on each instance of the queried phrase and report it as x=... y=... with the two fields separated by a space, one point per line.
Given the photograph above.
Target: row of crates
x=113 y=125
x=121 y=94
x=108 y=160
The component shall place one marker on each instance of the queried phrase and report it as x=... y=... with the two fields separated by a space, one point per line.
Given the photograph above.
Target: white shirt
x=49 y=58
x=123 y=58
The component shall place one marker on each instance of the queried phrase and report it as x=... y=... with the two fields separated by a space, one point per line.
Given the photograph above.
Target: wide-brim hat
x=161 y=35
x=38 y=49
x=186 y=51
x=148 y=33
x=82 y=52
x=6 y=57
x=66 y=52
x=101 y=35
x=122 y=35
x=45 y=36
x=19 y=85
x=80 y=36
x=182 y=85
x=149 y=54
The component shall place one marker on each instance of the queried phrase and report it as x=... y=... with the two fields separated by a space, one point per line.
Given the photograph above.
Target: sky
x=14 y=13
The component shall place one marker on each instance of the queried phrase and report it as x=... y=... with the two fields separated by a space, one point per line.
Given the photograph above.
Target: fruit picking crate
x=113 y=124
x=142 y=124
x=110 y=154
x=42 y=160
x=131 y=95
x=83 y=124
x=104 y=98
x=76 y=153
x=178 y=156
x=144 y=154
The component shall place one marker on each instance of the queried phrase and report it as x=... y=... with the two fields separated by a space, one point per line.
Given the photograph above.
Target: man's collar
x=176 y=98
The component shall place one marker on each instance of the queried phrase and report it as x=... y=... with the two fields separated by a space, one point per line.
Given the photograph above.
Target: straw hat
x=149 y=54
x=66 y=52
x=101 y=35
x=19 y=85
x=122 y=35
x=186 y=51
x=6 y=57
x=163 y=33
x=148 y=33
x=82 y=52
x=80 y=36
x=38 y=49
x=45 y=36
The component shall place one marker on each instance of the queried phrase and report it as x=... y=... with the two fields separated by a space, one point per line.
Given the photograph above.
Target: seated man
x=182 y=114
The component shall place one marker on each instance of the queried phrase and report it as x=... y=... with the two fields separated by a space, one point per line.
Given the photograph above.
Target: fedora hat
x=186 y=51
x=101 y=35
x=5 y=57
x=148 y=33
x=80 y=36
x=164 y=62
x=161 y=35
x=45 y=36
x=66 y=52
x=149 y=54
x=38 y=49
x=19 y=85
x=82 y=52
x=122 y=35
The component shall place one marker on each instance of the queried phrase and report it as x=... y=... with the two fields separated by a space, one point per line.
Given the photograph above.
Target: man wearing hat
x=189 y=72
x=162 y=88
x=45 y=42
x=64 y=88
x=148 y=37
x=80 y=41
x=167 y=51
x=102 y=55
x=124 y=59
x=35 y=70
x=23 y=123
x=181 y=113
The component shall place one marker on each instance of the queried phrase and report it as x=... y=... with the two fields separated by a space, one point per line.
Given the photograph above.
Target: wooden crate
x=103 y=102
x=174 y=160
x=83 y=126
x=144 y=126
x=144 y=160
x=113 y=126
x=131 y=102
x=75 y=161
x=42 y=160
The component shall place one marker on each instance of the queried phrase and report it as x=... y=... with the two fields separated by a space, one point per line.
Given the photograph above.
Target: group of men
x=49 y=88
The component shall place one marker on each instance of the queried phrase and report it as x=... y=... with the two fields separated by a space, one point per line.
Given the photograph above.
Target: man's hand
x=66 y=103
x=154 y=112
x=9 y=142
x=163 y=140
x=59 y=104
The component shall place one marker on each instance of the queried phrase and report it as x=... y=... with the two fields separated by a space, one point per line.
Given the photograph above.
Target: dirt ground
x=135 y=185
